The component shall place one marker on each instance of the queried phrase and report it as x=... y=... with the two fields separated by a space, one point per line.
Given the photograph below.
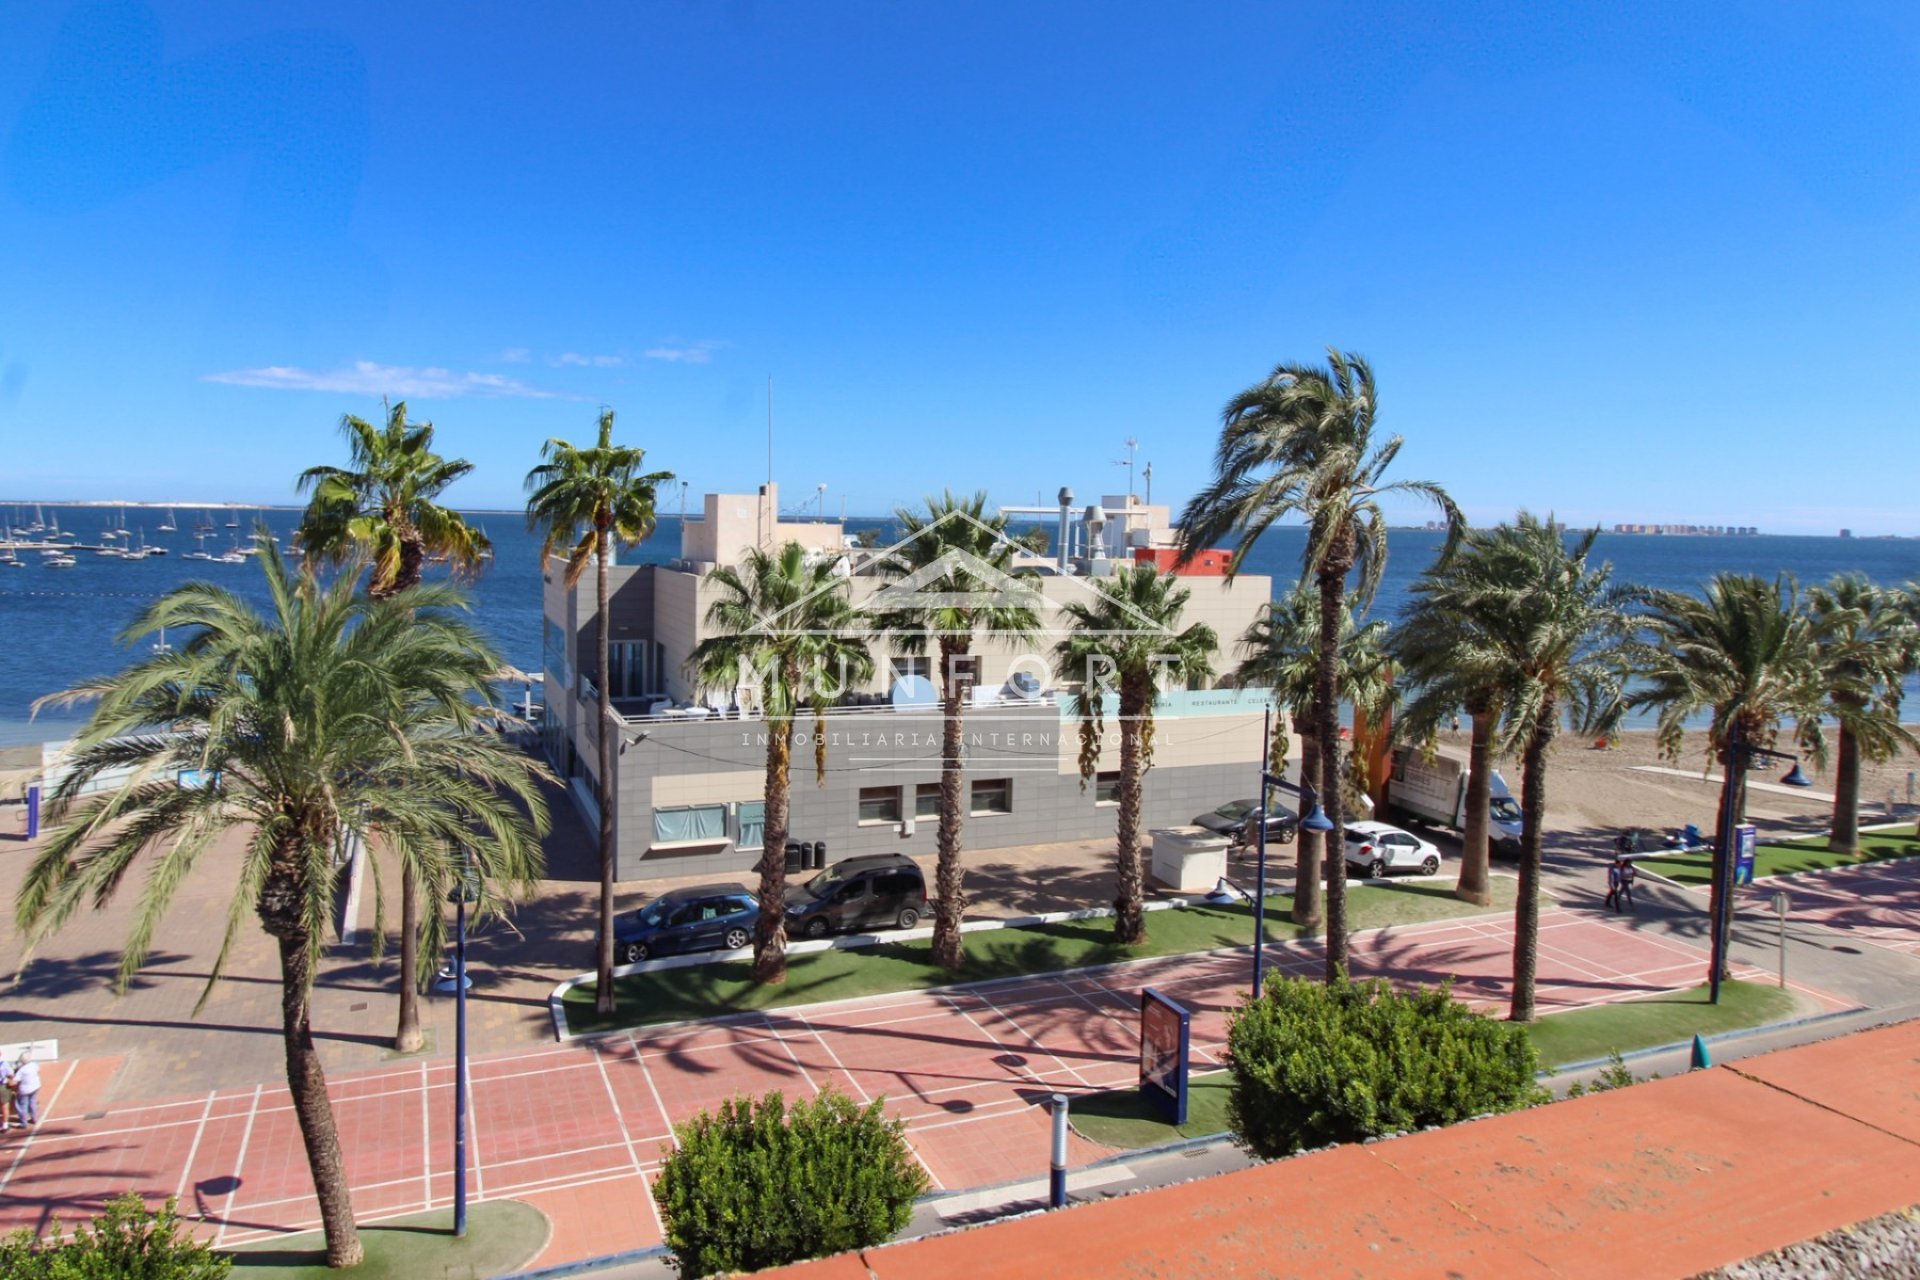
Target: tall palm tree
x=1746 y=653
x=1442 y=650
x=1865 y=642
x=1281 y=650
x=584 y=501
x=1536 y=629
x=1122 y=643
x=382 y=506
x=784 y=631
x=329 y=714
x=382 y=509
x=1301 y=441
x=954 y=565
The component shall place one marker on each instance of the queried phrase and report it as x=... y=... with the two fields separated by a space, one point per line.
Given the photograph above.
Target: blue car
x=714 y=917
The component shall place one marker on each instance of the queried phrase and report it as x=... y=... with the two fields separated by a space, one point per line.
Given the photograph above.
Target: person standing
x=6 y=1096
x=26 y=1092
x=1620 y=876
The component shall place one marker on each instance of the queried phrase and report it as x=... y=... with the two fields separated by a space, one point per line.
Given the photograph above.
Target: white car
x=1378 y=848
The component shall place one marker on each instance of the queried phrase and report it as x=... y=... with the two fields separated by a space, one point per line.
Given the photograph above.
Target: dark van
x=882 y=891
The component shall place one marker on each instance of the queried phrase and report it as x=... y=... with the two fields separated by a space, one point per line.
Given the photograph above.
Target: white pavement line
x=239 y=1164
x=473 y=1137
x=998 y=1043
x=1035 y=1041
x=613 y=1100
x=426 y=1142
x=1083 y=1180
x=786 y=1043
x=839 y=1066
x=33 y=1131
x=186 y=1170
x=640 y=1063
x=994 y=1111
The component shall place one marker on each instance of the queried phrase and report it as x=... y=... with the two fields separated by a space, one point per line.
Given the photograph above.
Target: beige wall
x=732 y=523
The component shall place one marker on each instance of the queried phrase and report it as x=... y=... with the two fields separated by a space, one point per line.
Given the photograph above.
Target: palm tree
x=1301 y=442
x=957 y=565
x=1281 y=650
x=382 y=509
x=382 y=506
x=1865 y=641
x=1530 y=626
x=1746 y=653
x=1126 y=638
x=331 y=714
x=785 y=633
x=585 y=501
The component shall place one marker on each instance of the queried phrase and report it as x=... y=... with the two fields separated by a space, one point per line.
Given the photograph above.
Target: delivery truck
x=1434 y=790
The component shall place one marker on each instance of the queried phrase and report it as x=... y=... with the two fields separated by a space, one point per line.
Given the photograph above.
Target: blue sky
x=1644 y=262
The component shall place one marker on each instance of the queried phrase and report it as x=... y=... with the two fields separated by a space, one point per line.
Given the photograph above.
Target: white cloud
x=365 y=377
x=588 y=362
x=515 y=355
x=689 y=353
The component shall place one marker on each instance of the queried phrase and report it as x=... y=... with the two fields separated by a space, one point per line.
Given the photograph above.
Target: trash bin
x=819 y=859
x=806 y=854
x=796 y=858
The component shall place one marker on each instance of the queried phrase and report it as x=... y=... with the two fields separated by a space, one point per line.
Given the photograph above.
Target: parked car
x=879 y=891
x=706 y=918
x=1235 y=821
x=1378 y=848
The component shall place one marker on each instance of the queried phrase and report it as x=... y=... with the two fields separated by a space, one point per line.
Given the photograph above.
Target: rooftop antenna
x=1146 y=474
x=1127 y=462
x=769 y=428
x=820 y=501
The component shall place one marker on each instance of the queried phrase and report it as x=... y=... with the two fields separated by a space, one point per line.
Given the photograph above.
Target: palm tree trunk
x=770 y=931
x=407 y=1038
x=604 y=996
x=1846 y=795
x=1475 y=877
x=1129 y=916
x=1526 y=908
x=949 y=907
x=1310 y=857
x=307 y=1082
x=1326 y=710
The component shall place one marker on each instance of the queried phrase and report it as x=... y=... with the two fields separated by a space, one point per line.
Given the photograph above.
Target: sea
x=62 y=626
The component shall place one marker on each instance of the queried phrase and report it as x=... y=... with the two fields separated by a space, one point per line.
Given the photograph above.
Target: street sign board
x=1165 y=1039
x=1745 y=839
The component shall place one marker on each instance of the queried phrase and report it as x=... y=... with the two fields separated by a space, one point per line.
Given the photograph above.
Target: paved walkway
x=965 y=1068
x=1667 y=1179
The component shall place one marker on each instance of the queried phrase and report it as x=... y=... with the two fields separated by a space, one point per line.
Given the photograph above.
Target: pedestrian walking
x=26 y=1091
x=6 y=1096
x=1620 y=877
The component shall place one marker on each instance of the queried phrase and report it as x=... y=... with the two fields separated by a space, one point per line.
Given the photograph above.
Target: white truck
x=1435 y=791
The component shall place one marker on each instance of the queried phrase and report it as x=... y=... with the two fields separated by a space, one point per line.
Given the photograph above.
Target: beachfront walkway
x=965 y=1067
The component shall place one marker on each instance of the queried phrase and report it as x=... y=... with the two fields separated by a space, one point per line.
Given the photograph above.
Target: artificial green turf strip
x=1787 y=859
x=502 y=1237
x=704 y=991
x=1582 y=1035
x=1124 y=1119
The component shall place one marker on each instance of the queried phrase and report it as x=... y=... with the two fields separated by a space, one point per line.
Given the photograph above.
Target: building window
x=909 y=666
x=993 y=795
x=926 y=800
x=1106 y=787
x=630 y=669
x=879 y=804
x=694 y=823
x=753 y=826
x=964 y=671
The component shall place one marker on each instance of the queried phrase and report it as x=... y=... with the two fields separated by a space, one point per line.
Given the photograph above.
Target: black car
x=881 y=891
x=707 y=918
x=1235 y=821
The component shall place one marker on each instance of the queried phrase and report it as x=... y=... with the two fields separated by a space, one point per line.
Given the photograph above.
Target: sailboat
x=199 y=551
x=169 y=525
x=231 y=522
x=10 y=560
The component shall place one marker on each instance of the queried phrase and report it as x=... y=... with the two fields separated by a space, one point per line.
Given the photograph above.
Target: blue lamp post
x=468 y=890
x=1310 y=820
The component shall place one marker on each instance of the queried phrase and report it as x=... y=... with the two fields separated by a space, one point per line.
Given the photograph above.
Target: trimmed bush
x=1315 y=1064
x=761 y=1184
x=127 y=1242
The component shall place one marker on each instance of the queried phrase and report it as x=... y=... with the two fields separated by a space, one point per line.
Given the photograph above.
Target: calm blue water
x=59 y=626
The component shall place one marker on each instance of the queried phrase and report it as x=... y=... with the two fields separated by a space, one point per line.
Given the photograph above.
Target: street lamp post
x=463 y=893
x=1740 y=753
x=1311 y=819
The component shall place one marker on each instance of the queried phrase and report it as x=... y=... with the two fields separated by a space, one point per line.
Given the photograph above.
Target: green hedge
x=760 y=1184
x=1317 y=1063
x=127 y=1242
